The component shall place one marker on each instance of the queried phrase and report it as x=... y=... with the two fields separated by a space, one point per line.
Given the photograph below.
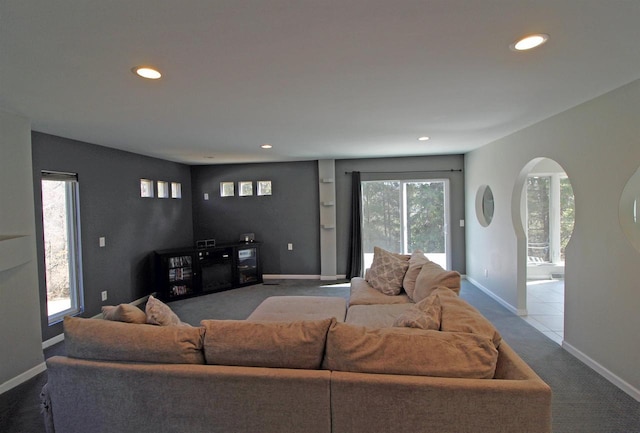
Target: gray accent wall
x=289 y=215
x=420 y=167
x=111 y=207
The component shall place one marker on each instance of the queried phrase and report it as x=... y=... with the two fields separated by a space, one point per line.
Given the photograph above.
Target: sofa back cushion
x=118 y=341
x=459 y=316
x=409 y=351
x=432 y=275
x=417 y=260
x=293 y=344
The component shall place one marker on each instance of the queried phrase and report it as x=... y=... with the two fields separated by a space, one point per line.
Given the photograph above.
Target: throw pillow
x=124 y=313
x=409 y=351
x=387 y=271
x=431 y=276
x=159 y=313
x=295 y=344
x=415 y=266
x=424 y=315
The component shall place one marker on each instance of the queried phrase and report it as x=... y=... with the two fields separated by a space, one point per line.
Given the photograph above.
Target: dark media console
x=185 y=272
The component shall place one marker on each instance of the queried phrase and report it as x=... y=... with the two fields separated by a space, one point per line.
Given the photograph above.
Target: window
x=403 y=216
x=163 y=189
x=146 y=188
x=550 y=217
x=61 y=227
x=176 y=190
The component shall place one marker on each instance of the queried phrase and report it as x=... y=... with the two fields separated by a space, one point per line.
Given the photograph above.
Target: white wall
x=20 y=336
x=598 y=145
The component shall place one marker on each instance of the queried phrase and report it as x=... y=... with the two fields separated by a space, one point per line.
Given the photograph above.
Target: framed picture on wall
x=245 y=188
x=264 y=187
x=227 y=189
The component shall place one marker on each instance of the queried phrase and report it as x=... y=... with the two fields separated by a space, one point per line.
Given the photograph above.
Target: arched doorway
x=547 y=216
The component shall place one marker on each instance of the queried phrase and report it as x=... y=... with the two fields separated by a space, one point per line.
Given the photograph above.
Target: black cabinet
x=186 y=272
x=248 y=265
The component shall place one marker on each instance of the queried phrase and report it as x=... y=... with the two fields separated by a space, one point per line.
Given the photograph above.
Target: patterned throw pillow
x=424 y=315
x=159 y=313
x=387 y=271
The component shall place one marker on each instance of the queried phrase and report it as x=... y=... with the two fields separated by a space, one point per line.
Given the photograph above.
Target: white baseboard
x=21 y=378
x=604 y=372
x=497 y=298
x=302 y=277
x=51 y=341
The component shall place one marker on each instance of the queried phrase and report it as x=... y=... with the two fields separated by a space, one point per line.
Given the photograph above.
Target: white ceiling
x=315 y=78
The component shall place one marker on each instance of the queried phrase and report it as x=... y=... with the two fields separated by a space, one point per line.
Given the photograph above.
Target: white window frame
x=76 y=290
x=404 y=216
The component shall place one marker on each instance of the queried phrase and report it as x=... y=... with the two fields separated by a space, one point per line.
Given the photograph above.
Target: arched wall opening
x=543 y=212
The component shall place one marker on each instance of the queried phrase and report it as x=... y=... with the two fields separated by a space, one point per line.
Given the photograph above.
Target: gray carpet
x=583 y=401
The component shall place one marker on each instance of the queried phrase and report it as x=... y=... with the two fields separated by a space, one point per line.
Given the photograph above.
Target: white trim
x=51 y=341
x=23 y=377
x=497 y=298
x=302 y=277
x=603 y=371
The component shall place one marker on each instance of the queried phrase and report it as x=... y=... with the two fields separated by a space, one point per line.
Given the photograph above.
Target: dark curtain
x=355 y=246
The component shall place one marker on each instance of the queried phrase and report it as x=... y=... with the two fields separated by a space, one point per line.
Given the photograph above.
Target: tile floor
x=545 y=305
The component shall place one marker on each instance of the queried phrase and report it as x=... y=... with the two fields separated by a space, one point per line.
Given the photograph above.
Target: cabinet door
x=248 y=265
x=179 y=276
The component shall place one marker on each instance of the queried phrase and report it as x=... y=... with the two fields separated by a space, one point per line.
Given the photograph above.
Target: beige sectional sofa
x=297 y=366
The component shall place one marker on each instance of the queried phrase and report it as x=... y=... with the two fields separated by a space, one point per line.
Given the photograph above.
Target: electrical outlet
x=486 y=273
x=104 y=295
x=102 y=241
x=290 y=246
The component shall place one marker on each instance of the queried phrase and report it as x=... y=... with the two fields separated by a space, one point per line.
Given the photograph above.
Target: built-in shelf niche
x=15 y=250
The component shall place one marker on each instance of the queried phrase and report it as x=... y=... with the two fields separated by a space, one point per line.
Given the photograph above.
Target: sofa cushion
x=361 y=293
x=294 y=344
x=117 y=341
x=409 y=351
x=387 y=271
x=124 y=313
x=460 y=316
x=431 y=276
x=424 y=315
x=415 y=265
x=376 y=316
x=289 y=308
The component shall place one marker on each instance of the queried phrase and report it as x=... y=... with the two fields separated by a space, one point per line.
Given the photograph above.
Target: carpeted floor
x=583 y=401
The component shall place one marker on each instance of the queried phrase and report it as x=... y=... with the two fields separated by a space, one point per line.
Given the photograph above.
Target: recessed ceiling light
x=529 y=42
x=266 y=146
x=423 y=138
x=147 y=72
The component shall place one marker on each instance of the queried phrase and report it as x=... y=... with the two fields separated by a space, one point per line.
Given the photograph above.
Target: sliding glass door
x=406 y=215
